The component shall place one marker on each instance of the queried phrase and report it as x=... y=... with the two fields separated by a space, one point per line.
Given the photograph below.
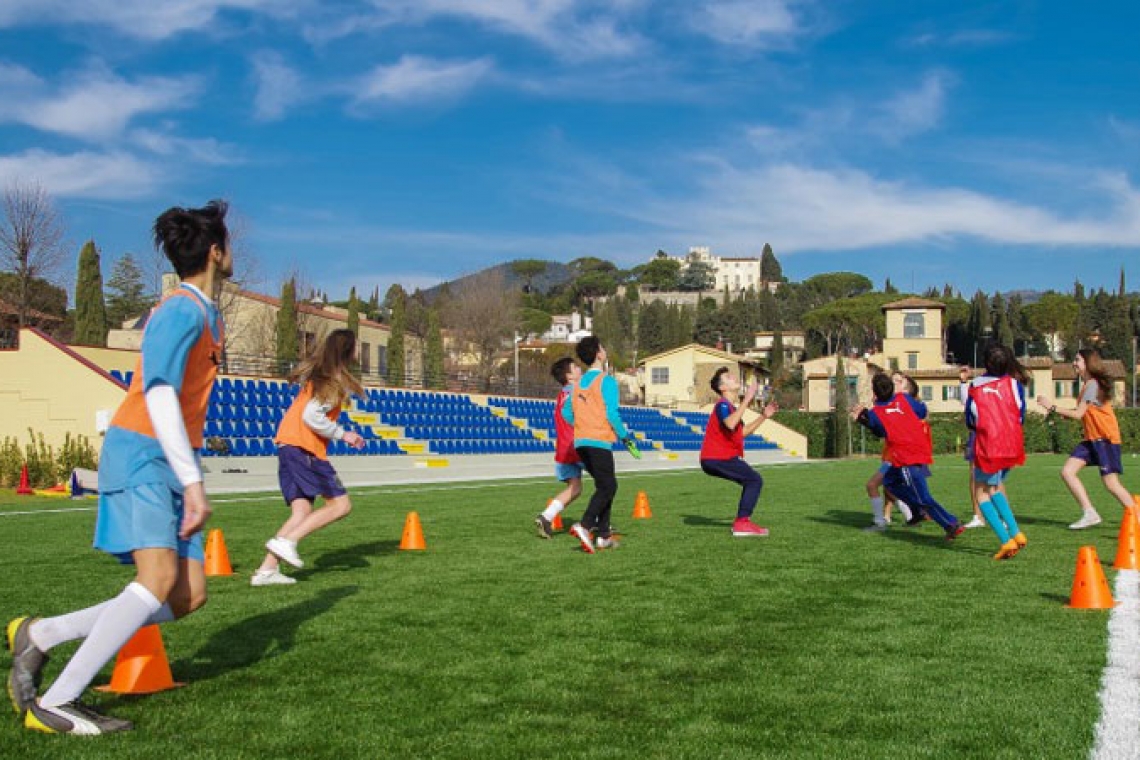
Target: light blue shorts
x=990 y=478
x=566 y=472
x=143 y=517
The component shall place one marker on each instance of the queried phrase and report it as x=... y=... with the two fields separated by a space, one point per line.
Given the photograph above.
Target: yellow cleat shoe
x=1008 y=549
x=1021 y=540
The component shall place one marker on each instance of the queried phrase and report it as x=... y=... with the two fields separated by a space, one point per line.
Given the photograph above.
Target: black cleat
x=27 y=664
x=72 y=718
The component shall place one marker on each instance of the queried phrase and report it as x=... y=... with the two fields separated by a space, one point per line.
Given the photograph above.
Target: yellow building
x=680 y=377
x=914 y=336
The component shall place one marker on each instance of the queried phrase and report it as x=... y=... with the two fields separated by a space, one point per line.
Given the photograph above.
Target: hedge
x=1052 y=435
x=46 y=466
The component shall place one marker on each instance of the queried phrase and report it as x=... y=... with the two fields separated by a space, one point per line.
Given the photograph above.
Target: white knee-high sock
x=905 y=509
x=49 y=633
x=877 y=510
x=120 y=619
x=553 y=509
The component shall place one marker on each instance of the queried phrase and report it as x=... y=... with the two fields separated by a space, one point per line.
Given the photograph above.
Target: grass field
x=819 y=641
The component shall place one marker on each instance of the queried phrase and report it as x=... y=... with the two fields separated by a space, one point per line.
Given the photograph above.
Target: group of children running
x=152 y=503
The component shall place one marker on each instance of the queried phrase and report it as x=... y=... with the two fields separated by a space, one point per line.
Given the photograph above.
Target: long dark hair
x=329 y=369
x=999 y=360
x=1094 y=365
x=185 y=235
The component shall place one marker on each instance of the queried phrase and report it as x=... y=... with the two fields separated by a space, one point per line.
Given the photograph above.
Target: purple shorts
x=304 y=476
x=1103 y=454
x=968 y=454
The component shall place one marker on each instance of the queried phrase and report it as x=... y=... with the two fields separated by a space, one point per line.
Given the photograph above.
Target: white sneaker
x=1088 y=519
x=977 y=522
x=608 y=543
x=583 y=536
x=283 y=548
x=272 y=577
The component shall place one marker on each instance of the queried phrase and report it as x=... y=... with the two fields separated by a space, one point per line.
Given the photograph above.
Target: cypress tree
x=352 y=321
x=288 y=349
x=433 y=353
x=776 y=361
x=90 y=309
x=396 y=342
x=842 y=423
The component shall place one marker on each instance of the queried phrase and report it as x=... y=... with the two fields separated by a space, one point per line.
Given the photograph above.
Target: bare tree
x=31 y=240
x=483 y=314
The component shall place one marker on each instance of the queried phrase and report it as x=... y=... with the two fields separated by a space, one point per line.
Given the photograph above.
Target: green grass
x=820 y=641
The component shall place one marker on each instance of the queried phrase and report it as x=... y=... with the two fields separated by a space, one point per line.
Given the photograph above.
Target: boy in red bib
x=995 y=411
x=567 y=464
x=722 y=452
x=899 y=419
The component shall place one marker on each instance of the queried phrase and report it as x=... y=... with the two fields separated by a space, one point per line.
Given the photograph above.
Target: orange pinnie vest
x=197 y=381
x=294 y=432
x=1099 y=421
x=589 y=407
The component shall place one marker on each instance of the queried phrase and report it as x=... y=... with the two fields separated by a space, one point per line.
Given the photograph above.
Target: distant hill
x=556 y=274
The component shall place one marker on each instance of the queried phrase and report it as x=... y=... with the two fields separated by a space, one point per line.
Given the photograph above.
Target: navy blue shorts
x=304 y=476
x=1103 y=454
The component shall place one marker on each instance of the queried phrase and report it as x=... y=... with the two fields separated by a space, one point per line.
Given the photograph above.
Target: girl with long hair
x=1101 y=444
x=303 y=437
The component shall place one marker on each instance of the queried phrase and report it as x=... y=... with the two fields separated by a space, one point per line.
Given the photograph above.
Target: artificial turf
x=818 y=641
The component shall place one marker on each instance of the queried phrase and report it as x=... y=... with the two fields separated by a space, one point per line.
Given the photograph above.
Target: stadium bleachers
x=244 y=413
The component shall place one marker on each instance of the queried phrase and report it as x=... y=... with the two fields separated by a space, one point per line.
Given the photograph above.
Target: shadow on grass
x=700 y=521
x=348 y=558
x=256 y=638
x=912 y=535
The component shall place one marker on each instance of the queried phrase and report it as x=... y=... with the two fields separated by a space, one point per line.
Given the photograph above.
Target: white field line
x=1118 y=730
x=372 y=491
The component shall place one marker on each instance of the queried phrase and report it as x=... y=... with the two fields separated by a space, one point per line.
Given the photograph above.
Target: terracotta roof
x=305 y=308
x=704 y=349
x=7 y=308
x=913 y=303
x=1113 y=367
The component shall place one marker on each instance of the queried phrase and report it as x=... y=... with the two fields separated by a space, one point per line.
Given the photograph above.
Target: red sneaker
x=744 y=528
x=954 y=532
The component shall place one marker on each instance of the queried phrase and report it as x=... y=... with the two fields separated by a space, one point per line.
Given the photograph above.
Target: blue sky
x=992 y=145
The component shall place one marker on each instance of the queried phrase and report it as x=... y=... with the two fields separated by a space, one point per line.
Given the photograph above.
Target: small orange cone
x=1128 y=542
x=641 y=509
x=556 y=523
x=413 y=538
x=1090 y=587
x=217 y=558
x=142 y=667
x=25 y=488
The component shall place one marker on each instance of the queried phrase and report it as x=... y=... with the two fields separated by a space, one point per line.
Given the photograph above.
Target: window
x=365 y=358
x=659 y=376
x=912 y=361
x=914 y=325
x=852 y=391
x=382 y=360
x=951 y=393
x=927 y=393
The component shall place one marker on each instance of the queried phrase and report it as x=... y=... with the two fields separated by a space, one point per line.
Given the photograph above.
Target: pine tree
x=396 y=340
x=90 y=310
x=288 y=348
x=433 y=353
x=776 y=359
x=125 y=292
x=1002 y=332
x=889 y=288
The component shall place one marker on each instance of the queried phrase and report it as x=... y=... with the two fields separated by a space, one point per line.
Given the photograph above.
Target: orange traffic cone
x=217 y=558
x=641 y=509
x=1128 y=542
x=25 y=488
x=1090 y=588
x=142 y=667
x=556 y=523
x=413 y=538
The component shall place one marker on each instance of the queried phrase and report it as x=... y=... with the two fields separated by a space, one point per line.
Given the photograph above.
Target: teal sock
x=988 y=511
x=1006 y=513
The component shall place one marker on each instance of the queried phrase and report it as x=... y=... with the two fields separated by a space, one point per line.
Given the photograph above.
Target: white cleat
x=284 y=549
x=272 y=577
x=1088 y=519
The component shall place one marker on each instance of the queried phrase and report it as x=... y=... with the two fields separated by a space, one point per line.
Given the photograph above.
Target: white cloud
x=278 y=86
x=418 y=79
x=914 y=111
x=962 y=38
x=86 y=174
x=749 y=23
x=143 y=19
x=207 y=151
x=95 y=105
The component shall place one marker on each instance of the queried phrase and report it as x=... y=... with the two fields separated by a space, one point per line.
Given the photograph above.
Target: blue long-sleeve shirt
x=876 y=427
x=612 y=398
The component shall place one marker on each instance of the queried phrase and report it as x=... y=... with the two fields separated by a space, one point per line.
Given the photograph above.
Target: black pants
x=738 y=471
x=600 y=464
